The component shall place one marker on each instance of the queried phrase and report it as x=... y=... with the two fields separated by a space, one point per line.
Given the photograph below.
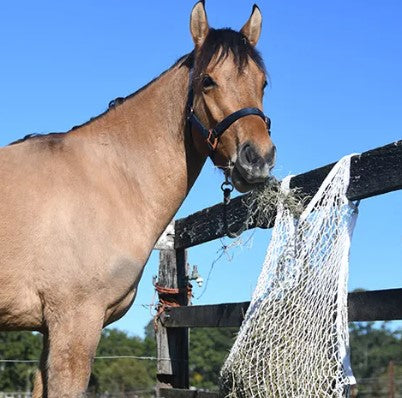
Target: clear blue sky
x=336 y=84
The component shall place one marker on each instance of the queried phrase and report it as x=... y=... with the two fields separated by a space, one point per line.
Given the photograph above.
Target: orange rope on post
x=174 y=291
x=169 y=301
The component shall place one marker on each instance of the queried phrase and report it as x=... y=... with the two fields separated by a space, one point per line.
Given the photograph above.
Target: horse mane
x=52 y=139
x=218 y=41
x=223 y=42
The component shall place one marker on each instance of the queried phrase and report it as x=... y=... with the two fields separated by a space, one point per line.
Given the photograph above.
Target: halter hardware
x=227 y=188
x=212 y=136
x=212 y=140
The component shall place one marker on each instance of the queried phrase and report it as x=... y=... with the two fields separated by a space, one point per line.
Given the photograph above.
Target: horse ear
x=199 y=24
x=252 y=28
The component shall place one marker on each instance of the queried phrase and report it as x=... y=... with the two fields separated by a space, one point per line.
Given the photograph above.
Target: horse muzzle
x=251 y=168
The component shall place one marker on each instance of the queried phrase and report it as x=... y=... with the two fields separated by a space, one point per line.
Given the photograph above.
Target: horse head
x=227 y=87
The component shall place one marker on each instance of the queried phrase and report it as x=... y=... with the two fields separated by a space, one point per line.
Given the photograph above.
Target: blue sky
x=336 y=82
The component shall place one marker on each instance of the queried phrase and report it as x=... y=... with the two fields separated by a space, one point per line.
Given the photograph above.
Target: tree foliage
x=113 y=375
x=16 y=376
x=208 y=350
x=127 y=373
x=373 y=347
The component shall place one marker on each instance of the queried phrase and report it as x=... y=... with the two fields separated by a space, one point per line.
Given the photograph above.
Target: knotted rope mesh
x=294 y=339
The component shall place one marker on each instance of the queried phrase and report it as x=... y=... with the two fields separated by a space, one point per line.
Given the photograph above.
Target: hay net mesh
x=294 y=339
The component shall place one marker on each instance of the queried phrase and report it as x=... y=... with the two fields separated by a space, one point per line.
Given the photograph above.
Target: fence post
x=172 y=343
x=391 y=380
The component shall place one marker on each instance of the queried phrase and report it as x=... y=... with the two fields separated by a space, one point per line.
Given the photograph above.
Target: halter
x=211 y=136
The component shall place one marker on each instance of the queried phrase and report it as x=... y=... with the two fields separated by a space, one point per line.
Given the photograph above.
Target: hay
x=263 y=201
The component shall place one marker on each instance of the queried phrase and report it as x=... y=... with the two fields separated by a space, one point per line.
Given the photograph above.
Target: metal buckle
x=212 y=140
x=227 y=188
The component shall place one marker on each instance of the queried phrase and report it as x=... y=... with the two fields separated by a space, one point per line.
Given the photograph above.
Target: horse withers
x=81 y=211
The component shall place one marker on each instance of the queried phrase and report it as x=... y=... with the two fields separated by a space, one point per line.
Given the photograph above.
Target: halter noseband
x=211 y=136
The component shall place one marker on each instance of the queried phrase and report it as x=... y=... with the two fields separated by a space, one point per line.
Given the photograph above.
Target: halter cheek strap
x=211 y=136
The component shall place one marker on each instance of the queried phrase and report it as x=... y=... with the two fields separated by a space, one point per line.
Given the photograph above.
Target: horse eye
x=208 y=82
x=264 y=85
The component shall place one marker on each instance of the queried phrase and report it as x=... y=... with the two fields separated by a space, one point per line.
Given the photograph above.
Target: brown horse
x=81 y=211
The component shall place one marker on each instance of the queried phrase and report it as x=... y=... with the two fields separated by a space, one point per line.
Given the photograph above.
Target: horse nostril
x=252 y=166
x=270 y=158
x=249 y=155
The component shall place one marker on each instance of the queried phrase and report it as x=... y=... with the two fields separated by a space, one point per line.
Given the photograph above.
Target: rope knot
x=170 y=297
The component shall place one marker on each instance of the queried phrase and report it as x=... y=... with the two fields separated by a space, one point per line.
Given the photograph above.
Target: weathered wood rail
x=375 y=305
x=373 y=173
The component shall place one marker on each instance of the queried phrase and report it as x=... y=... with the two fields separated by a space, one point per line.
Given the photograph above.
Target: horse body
x=102 y=195
x=81 y=211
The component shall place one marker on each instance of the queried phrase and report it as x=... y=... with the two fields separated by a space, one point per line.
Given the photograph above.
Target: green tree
x=16 y=376
x=109 y=375
x=119 y=375
x=208 y=350
x=372 y=348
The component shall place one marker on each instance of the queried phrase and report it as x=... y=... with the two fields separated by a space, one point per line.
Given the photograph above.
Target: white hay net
x=294 y=339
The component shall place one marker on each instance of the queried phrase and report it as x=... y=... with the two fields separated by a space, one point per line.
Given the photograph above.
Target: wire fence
x=366 y=388
x=144 y=358
x=128 y=394
x=373 y=387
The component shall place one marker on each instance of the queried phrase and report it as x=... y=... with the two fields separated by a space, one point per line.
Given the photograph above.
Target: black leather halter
x=211 y=136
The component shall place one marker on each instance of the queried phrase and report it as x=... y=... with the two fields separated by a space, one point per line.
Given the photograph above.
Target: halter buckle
x=212 y=139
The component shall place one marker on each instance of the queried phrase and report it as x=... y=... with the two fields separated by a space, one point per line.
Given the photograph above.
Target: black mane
x=51 y=138
x=222 y=41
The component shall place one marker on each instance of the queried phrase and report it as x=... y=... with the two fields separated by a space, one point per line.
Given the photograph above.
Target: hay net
x=294 y=339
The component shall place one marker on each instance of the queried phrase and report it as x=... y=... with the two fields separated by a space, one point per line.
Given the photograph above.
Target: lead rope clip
x=227 y=188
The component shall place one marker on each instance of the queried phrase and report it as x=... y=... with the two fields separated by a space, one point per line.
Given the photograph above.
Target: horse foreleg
x=40 y=376
x=73 y=339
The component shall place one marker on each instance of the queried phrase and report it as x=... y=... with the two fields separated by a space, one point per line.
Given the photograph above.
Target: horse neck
x=144 y=138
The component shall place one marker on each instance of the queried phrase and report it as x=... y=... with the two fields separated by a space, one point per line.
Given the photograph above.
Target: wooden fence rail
x=375 y=305
x=372 y=173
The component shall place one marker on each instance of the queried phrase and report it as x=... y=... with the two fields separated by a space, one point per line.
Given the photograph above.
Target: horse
x=81 y=210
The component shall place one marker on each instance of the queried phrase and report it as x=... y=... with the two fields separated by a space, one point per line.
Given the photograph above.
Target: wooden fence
x=372 y=173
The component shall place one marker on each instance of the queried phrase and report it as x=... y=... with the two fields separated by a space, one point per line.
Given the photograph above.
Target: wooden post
x=391 y=380
x=172 y=344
